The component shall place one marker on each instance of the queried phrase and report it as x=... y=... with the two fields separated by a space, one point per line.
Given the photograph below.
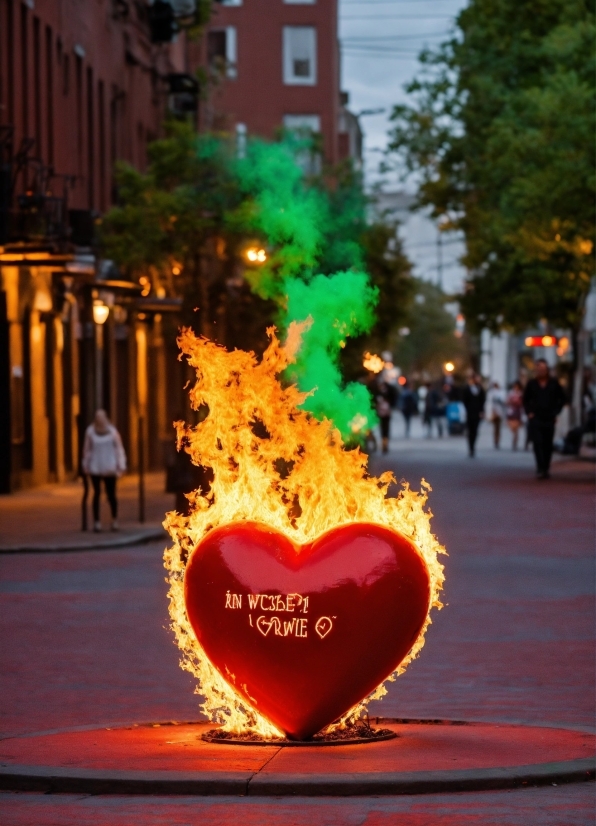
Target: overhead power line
x=375 y=38
x=398 y=17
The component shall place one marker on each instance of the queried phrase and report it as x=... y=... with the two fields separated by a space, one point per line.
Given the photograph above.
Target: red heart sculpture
x=303 y=634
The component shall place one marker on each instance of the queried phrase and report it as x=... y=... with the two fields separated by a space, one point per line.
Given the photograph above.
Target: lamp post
x=100 y=315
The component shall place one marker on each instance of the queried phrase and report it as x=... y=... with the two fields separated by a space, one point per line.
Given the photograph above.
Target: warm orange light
x=100 y=312
x=563 y=346
x=373 y=362
x=298 y=479
x=540 y=341
x=449 y=367
x=175 y=270
x=255 y=255
x=402 y=380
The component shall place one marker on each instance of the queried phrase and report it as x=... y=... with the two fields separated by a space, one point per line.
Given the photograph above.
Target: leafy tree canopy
x=501 y=136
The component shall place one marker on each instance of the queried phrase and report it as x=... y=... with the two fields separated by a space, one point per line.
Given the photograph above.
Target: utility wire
x=375 y=38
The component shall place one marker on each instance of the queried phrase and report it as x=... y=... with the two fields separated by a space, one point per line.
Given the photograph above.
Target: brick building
x=82 y=85
x=276 y=64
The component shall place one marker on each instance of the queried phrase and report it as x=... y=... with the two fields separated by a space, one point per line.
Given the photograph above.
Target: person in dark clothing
x=435 y=409
x=383 y=403
x=474 y=399
x=408 y=404
x=544 y=398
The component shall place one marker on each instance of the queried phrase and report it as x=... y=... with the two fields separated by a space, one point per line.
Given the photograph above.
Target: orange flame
x=274 y=463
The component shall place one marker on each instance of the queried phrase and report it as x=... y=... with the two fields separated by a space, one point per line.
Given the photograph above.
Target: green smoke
x=340 y=305
x=311 y=231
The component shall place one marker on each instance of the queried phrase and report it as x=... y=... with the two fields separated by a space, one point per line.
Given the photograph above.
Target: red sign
x=303 y=634
x=541 y=341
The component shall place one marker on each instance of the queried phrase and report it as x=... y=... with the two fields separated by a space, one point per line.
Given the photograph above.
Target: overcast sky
x=380 y=42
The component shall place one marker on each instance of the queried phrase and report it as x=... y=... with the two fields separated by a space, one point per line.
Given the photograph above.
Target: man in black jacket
x=474 y=399
x=544 y=398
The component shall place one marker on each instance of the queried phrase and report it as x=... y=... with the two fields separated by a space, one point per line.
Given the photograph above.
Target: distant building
x=276 y=65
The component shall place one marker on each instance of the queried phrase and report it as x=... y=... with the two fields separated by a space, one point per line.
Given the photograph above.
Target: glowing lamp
x=256 y=256
x=541 y=341
x=373 y=363
x=101 y=312
x=449 y=367
x=402 y=380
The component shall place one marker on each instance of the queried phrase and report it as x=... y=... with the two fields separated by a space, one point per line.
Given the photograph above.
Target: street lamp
x=449 y=367
x=255 y=255
x=101 y=311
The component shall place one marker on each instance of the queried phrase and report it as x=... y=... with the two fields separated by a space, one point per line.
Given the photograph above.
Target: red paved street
x=86 y=641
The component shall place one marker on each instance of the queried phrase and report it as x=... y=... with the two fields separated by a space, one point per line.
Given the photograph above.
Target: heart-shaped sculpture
x=303 y=634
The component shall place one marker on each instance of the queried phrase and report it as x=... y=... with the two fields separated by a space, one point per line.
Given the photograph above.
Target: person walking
x=495 y=400
x=474 y=399
x=544 y=398
x=383 y=400
x=436 y=409
x=514 y=406
x=408 y=404
x=104 y=460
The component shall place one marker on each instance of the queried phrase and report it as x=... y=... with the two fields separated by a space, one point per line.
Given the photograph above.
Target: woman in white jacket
x=103 y=458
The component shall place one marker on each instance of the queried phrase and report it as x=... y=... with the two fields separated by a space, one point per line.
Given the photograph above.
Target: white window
x=231 y=2
x=303 y=124
x=300 y=2
x=304 y=127
x=222 y=50
x=300 y=55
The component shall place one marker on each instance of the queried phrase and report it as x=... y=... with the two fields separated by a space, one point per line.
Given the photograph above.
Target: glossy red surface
x=305 y=633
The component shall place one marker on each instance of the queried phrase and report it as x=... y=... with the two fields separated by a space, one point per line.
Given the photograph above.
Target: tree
x=171 y=231
x=430 y=340
x=501 y=137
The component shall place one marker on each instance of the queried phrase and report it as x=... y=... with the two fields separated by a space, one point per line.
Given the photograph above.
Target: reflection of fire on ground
x=273 y=463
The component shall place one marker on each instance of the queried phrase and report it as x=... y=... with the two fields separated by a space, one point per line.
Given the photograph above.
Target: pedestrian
x=435 y=410
x=474 y=399
x=104 y=460
x=383 y=399
x=495 y=400
x=514 y=407
x=544 y=398
x=408 y=404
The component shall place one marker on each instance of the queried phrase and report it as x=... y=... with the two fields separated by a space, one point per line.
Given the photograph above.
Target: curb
x=137 y=538
x=260 y=784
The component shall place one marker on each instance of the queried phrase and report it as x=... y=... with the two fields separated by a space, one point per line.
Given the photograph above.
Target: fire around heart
x=274 y=464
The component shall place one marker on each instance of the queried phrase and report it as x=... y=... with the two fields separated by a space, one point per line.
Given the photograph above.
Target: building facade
x=82 y=85
x=275 y=64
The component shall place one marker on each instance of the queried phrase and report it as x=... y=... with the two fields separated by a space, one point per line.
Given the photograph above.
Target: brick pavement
x=51 y=515
x=85 y=642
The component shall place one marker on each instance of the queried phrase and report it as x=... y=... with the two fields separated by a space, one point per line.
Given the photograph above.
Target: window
x=221 y=50
x=300 y=55
x=231 y=2
x=305 y=127
x=300 y=2
x=303 y=124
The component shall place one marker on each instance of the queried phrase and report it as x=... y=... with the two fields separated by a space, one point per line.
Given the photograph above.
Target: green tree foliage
x=431 y=339
x=501 y=137
x=171 y=228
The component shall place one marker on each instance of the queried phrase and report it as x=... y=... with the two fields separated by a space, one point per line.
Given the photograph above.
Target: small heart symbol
x=264 y=625
x=306 y=631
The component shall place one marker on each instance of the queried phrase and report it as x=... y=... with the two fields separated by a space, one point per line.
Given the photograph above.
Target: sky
x=380 y=42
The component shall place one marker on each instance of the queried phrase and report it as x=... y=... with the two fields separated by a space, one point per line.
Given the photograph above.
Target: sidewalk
x=48 y=518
